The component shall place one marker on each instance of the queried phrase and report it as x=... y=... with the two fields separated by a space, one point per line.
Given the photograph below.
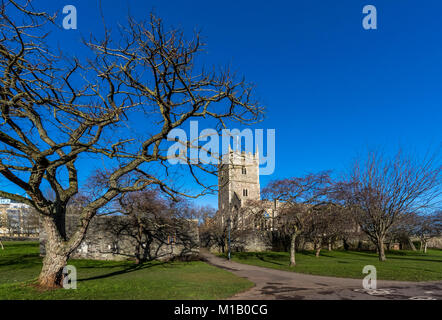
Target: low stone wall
x=114 y=238
x=8 y=238
x=258 y=242
x=435 y=243
x=249 y=241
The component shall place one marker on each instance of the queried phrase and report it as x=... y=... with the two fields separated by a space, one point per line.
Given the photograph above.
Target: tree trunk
x=138 y=247
x=330 y=246
x=57 y=247
x=137 y=253
x=380 y=249
x=57 y=251
x=51 y=275
x=56 y=255
x=292 y=250
x=411 y=244
x=346 y=245
x=318 y=251
x=425 y=247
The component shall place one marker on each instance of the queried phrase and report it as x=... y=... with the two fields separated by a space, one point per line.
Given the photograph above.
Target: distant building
x=239 y=187
x=239 y=199
x=17 y=219
x=238 y=181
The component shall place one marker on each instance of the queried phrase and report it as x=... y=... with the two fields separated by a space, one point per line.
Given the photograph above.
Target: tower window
x=245 y=192
x=244 y=170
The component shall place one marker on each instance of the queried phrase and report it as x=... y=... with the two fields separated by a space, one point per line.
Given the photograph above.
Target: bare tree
x=402 y=230
x=299 y=195
x=146 y=213
x=327 y=223
x=57 y=111
x=216 y=233
x=380 y=190
x=153 y=220
x=428 y=226
x=213 y=233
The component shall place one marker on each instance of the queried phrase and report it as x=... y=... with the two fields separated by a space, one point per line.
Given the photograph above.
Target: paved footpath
x=282 y=285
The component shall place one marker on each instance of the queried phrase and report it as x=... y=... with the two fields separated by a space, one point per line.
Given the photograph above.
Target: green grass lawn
x=400 y=265
x=20 y=265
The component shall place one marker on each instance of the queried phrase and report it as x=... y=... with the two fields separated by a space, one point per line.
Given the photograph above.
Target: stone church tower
x=238 y=181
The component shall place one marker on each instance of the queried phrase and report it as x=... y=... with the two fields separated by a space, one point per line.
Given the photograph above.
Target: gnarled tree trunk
x=58 y=248
x=51 y=275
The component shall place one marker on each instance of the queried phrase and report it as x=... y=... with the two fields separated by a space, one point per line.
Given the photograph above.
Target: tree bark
x=318 y=251
x=292 y=250
x=137 y=253
x=346 y=245
x=51 y=275
x=57 y=248
x=411 y=244
x=380 y=249
x=139 y=240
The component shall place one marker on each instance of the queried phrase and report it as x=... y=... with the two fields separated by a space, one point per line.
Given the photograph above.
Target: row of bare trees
x=381 y=196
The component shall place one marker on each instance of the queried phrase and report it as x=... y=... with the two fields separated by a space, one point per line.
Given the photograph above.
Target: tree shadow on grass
x=128 y=269
x=398 y=256
x=267 y=260
x=21 y=261
x=415 y=259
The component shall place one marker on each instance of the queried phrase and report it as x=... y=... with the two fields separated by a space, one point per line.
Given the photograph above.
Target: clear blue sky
x=331 y=88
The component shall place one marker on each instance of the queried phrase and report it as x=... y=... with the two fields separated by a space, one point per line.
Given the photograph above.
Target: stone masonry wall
x=112 y=238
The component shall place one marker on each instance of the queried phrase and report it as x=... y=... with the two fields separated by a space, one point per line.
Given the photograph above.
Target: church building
x=239 y=187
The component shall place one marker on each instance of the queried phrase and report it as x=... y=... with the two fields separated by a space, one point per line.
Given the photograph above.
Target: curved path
x=277 y=284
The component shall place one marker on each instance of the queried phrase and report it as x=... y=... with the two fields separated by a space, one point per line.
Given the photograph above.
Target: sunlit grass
x=400 y=265
x=20 y=265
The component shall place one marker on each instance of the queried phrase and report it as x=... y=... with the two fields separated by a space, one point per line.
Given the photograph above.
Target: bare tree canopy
x=379 y=190
x=300 y=195
x=57 y=110
x=426 y=227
